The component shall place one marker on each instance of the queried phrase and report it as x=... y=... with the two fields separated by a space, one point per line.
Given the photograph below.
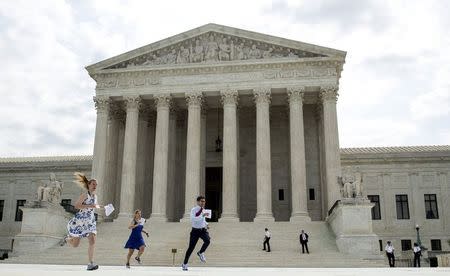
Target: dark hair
x=415 y=244
x=266 y=229
x=200 y=197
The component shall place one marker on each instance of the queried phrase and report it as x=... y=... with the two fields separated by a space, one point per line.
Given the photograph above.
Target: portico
x=271 y=102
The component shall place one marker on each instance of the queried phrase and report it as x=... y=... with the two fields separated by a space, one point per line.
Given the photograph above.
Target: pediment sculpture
x=213 y=47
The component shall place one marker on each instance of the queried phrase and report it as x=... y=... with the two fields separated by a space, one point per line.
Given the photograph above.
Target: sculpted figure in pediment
x=183 y=55
x=197 y=52
x=224 y=50
x=255 y=53
x=211 y=49
x=240 y=55
x=232 y=50
x=171 y=57
x=268 y=53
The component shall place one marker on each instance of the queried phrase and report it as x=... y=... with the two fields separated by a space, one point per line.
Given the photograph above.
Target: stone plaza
x=250 y=121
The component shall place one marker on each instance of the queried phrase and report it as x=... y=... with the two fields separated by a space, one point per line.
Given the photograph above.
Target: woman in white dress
x=83 y=224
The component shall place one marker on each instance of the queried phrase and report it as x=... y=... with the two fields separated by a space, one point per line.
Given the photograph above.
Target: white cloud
x=394 y=89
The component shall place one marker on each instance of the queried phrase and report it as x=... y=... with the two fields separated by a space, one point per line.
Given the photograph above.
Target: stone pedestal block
x=351 y=222
x=43 y=226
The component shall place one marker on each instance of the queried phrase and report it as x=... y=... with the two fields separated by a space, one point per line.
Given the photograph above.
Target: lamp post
x=418 y=235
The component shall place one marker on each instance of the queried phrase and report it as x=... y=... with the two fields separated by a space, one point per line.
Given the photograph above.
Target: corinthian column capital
x=229 y=97
x=296 y=94
x=132 y=103
x=101 y=104
x=261 y=95
x=162 y=100
x=194 y=99
x=328 y=93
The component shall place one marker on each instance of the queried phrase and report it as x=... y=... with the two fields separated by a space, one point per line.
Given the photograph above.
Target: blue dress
x=135 y=240
x=83 y=223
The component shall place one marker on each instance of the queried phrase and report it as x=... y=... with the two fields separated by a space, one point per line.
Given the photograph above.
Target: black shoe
x=138 y=260
x=127 y=265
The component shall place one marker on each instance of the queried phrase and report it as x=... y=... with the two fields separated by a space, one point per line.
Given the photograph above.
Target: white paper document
x=207 y=213
x=109 y=209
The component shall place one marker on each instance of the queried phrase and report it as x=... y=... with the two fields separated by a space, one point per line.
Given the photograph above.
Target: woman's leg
x=91 y=248
x=73 y=241
x=141 y=250
x=130 y=253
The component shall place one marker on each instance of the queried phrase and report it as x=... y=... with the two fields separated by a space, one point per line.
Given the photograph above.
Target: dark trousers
x=305 y=245
x=416 y=260
x=391 y=259
x=193 y=239
x=266 y=241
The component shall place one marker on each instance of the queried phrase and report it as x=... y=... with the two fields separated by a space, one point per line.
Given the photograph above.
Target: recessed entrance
x=213 y=191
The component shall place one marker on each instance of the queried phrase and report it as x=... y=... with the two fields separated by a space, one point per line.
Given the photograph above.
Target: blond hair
x=82 y=180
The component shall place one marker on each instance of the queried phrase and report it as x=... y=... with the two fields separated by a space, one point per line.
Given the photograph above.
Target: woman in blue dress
x=83 y=223
x=136 y=241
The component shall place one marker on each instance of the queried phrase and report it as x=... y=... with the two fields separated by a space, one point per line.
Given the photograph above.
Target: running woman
x=136 y=241
x=83 y=224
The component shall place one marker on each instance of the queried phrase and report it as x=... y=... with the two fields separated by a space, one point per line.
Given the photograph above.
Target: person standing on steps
x=83 y=224
x=199 y=231
x=304 y=241
x=136 y=241
x=417 y=254
x=390 y=253
x=266 y=240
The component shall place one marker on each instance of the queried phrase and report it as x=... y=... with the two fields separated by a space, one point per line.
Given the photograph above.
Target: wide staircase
x=232 y=244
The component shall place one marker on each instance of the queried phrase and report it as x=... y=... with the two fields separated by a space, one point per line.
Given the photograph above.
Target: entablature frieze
x=125 y=79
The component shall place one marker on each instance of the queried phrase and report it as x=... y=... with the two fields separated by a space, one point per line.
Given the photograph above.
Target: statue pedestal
x=43 y=226
x=351 y=222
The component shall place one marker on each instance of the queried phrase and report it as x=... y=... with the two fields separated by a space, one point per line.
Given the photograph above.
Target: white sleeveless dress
x=83 y=223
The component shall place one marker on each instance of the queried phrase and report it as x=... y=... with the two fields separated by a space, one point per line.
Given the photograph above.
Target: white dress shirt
x=389 y=248
x=417 y=249
x=199 y=221
x=267 y=234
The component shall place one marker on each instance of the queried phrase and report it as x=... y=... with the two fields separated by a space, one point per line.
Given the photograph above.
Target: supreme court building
x=242 y=117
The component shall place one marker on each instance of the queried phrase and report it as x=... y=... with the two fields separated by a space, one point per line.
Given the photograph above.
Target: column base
x=300 y=217
x=186 y=218
x=157 y=218
x=264 y=217
x=229 y=218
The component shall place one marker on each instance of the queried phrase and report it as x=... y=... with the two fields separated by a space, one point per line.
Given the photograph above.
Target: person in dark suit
x=304 y=241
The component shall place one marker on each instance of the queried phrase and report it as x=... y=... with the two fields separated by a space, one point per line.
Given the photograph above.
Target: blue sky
x=395 y=87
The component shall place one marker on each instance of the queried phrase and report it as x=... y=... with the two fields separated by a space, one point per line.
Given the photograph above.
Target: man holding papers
x=199 y=231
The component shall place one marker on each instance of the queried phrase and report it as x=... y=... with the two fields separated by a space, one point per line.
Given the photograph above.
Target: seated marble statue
x=50 y=192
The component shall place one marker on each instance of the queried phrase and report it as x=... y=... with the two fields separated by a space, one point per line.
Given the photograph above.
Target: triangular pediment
x=214 y=43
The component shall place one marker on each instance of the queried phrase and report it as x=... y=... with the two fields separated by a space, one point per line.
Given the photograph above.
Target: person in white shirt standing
x=199 y=231
x=390 y=253
x=267 y=236
x=417 y=253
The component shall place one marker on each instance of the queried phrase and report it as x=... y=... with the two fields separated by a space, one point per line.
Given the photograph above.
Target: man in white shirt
x=267 y=236
x=199 y=231
x=417 y=253
x=304 y=241
x=390 y=253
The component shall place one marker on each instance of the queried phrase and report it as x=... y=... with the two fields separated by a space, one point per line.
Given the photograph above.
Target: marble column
x=142 y=152
x=203 y=150
x=148 y=188
x=230 y=151
x=127 y=189
x=161 y=161
x=328 y=96
x=172 y=166
x=263 y=159
x=298 y=167
x=116 y=117
x=99 y=158
x=193 y=151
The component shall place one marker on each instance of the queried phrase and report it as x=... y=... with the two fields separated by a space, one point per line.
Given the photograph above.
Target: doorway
x=213 y=191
